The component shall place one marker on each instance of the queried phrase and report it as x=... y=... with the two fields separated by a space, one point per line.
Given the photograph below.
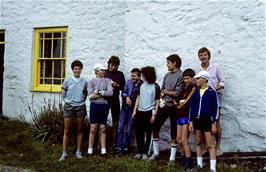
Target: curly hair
x=114 y=60
x=76 y=63
x=149 y=74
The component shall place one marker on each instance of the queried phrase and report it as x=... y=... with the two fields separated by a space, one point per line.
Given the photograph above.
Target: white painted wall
x=145 y=33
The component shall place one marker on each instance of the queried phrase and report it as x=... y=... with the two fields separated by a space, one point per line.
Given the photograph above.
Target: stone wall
x=145 y=33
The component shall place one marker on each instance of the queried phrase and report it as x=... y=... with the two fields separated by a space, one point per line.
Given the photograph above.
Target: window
x=50 y=52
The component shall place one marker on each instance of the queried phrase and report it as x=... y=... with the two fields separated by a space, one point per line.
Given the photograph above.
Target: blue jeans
x=124 y=118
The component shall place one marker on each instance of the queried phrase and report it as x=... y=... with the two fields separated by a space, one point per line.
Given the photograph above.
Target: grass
x=18 y=148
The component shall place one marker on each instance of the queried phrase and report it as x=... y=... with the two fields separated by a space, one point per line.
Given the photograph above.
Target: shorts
x=74 y=111
x=203 y=124
x=182 y=121
x=160 y=118
x=99 y=113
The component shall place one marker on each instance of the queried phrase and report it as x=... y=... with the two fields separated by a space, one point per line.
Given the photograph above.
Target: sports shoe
x=153 y=157
x=78 y=155
x=144 y=157
x=198 y=168
x=138 y=156
x=63 y=156
x=171 y=163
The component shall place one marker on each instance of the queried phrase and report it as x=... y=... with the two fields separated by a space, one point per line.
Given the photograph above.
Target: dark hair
x=204 y=49
x=114 y=60
x=189 y=72
x=149 y=74
x=76 y=63
x=175 y=58
x=136 y=70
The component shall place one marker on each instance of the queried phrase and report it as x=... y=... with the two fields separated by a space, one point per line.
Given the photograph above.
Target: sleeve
x=163 y=85
x=90 y=89
x=85 y=90
x=192 y=106
x=122 y=82
x=220 y=76
x=179 y=86
x=214 y=106
x=64 y=89
x=109 y=91
x=125 y=91
x=157 y=91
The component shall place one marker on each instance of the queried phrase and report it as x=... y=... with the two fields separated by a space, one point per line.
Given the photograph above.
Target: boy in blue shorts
x=182 y=117
x=129 y=96
x=74 y=93
x=203 y=116
x=98 y=89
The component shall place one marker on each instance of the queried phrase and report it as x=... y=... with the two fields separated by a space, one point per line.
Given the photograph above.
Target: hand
x=96 y=92
x=190 y=127
x=114 y=84
x=214 y=128
x=152 y=119
x=181 y=102
x=162 y=93
x=128 y=101
x=133 y=114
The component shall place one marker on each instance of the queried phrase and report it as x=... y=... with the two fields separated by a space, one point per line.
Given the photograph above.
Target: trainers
x=198 y=168
x=144 y=157
x=63 y=156
x=125 y=151
x=78 y=155
x=153 y=157
x=171 y=163
x=118 y=151
x=138 y=156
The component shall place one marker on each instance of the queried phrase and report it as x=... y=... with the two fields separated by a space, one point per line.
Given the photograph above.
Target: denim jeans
x=125 y=118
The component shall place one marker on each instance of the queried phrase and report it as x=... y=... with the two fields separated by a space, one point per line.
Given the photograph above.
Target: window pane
x=57 y=81
x=40 y=48
x=57 y=69
x=64 y=69
x=56 y=48
x=64 y=49
x=48 y=35
x=64 y=34
x=48 y=81
x=57 y=35
x=2 y=37
x=42 y=69
x=47 y=48
x=48 y=69
x=41 y=35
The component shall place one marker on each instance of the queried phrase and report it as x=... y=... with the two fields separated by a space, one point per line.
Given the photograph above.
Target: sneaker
x=144 y=157
x=125 y=151
x=171 y=163
x=138 y=156
x=153 y=157
x=63 y=157
x=103 y=155
x=118 y=151
x=78 y=155
x=198 y=168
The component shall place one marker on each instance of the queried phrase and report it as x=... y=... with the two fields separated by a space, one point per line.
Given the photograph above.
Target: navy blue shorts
x=203 y=124
x=182 y=121
x=98 y=113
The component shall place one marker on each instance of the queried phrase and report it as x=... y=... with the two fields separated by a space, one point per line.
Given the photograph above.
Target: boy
x=118 y=82
x=74 y=93
x=182 y=117
x=98 y=88
x=129 y=96
x=172 y=86
x=145 y=108
x=203 y=116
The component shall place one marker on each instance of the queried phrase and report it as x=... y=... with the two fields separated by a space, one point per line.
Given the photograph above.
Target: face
x=204 y=57
x=200 y=81
x=170 y=65
x=188 y=80
x=112 y=67
x=100 y=73
x=135 y=77
x=77 y=71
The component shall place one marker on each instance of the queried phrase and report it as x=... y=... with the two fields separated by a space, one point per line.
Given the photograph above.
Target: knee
x=198 y=142
x=93 y=130
x=103 y=130
x=184 y=142
x=179 y=141
x=79 y=129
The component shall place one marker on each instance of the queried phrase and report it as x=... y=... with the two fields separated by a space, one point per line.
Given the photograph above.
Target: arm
x=135 y=108
x=178 y=88
x=214 y=107
x=125 y=91
x=221 y=79
x=109 y=91
x=91 y=92
x=64 y=89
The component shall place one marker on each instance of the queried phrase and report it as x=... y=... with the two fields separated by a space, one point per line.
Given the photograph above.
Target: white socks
x=213 y=165
x=200 y=161
x=155 y=146
x=103 y=150
x=173 y=151
x=90 y=150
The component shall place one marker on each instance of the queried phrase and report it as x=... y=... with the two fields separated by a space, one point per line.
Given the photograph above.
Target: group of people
x=192 y=101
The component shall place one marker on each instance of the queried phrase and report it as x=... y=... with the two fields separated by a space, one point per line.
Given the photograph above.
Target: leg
x=93 y=130
x=172 y=112
x=139 y=132
x=210 y=140
x=129 y=129
x=218 y=136
x=179 y=141
x=121 y=126
x=147 y=130
x=67 y=128
x=115 y=111
x=102 y=130
x=186 y=147
x=199 y=148
x=80 y=122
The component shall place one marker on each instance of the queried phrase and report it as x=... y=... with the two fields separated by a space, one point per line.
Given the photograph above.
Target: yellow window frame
x=36 y=71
